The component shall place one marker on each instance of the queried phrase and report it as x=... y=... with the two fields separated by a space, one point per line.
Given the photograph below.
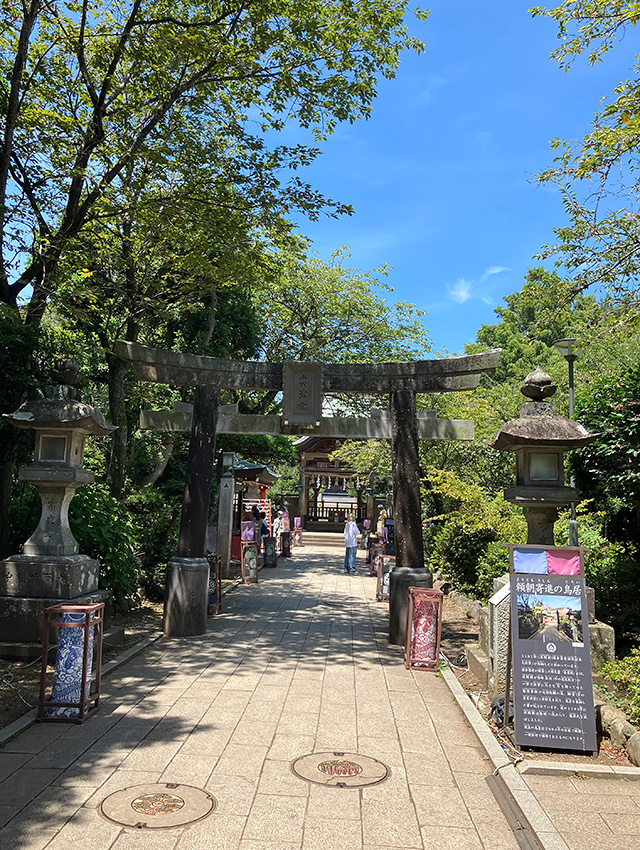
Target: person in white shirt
x=351 y=532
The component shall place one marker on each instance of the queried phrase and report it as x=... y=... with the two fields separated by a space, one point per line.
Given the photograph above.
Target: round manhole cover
x=157 y=806
x=340 y=770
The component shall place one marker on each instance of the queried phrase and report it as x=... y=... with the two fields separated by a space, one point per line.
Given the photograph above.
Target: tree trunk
x=118 y=416
x=7 y=463
x=150 y=479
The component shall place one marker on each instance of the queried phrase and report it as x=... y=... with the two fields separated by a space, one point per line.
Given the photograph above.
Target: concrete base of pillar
x=399 y=583
x=186 y=597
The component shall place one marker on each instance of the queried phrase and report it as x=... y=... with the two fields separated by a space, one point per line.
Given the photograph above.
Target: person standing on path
x=351 y=533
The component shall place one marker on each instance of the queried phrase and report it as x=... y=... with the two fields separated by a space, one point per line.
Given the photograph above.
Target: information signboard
x=552 y=686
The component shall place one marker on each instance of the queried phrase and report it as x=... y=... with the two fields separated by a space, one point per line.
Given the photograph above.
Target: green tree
x=98 y=99
x=90 y=90
x=598 y=175
x=312 y=310
x=608 y=471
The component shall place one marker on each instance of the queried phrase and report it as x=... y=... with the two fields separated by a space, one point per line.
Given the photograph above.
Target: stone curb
x=532 y=811
x=593 y=771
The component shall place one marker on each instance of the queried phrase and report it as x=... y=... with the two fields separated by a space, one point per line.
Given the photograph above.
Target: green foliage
x=366 y=457
x=157 y=521
x=105 y=531
x=272 y=451
x=625 y=673
x=594 y=24
x=608 y=470
x=462 y=542
x=94 y=97
x=598 y=175
x=19 y=367
x=493 y=563
x=24 y=514
x=458 y=550
x=329 y=312
x=20 y=378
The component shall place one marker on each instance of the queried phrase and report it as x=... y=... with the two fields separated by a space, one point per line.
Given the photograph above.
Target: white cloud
x=460 y=291
x=494 y=270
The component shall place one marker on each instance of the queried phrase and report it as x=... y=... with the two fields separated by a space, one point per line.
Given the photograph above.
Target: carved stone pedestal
x=31 y=583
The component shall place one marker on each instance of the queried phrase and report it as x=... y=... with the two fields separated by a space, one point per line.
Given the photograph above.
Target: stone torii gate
x=303 y=386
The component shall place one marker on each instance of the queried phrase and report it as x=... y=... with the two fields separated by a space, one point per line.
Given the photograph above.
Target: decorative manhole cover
x=157 y=806
x=340 y=770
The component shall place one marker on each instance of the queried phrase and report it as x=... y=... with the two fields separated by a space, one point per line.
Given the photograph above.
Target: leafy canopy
x=90 y=89
x=598 y=175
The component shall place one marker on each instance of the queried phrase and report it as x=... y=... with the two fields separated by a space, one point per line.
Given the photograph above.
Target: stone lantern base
x=31 y=583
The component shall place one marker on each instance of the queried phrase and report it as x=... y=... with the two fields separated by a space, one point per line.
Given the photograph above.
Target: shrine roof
x=247 y=471
x=308 y=443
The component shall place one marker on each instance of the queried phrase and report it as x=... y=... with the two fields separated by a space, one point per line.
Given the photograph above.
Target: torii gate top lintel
x=445 y=375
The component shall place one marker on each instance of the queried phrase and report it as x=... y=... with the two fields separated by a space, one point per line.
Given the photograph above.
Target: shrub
x=104 y=530
x=157 y=521
x=626 y=675
x=465 y=542
x=612 y=569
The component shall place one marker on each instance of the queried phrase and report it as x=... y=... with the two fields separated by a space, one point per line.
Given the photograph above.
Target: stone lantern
x=539 y=438
x=51 y=570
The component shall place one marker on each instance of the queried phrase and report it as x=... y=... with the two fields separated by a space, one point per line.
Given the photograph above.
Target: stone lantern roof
x=55 y=413
x=61 y=407
x=538 y=423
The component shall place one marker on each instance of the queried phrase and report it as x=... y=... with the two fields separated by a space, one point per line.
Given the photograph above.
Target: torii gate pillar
x=187 y=580
x=407 y=514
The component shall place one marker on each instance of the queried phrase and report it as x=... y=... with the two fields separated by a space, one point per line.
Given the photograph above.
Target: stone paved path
x=297 y=664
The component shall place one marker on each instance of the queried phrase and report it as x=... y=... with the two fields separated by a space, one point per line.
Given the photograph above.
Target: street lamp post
x=570 y=350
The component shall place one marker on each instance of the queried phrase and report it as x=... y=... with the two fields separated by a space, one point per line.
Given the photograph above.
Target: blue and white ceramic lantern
x=67 y=678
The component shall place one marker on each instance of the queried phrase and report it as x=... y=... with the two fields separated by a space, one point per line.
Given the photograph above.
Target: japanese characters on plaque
x=552 y=686
x=302 y=388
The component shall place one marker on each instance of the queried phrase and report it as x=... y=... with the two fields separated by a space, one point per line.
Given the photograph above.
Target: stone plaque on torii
x=303 y=386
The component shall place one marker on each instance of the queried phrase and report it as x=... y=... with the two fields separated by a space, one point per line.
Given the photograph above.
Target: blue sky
x=441 y=176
